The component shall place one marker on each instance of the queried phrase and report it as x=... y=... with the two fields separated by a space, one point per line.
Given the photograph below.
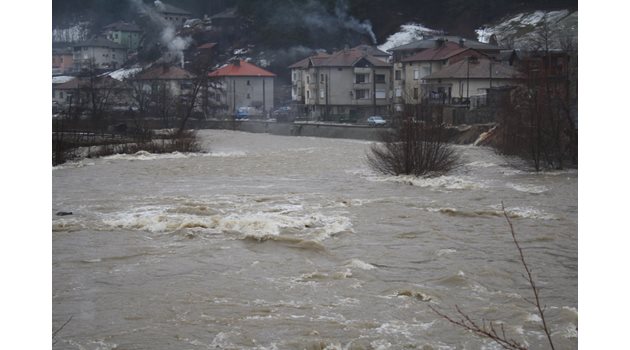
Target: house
x=429 y=42
x=351 y=83
x=242 y=84
x=172 y=14
x=411 y=70
x=99 y=54
x=125 y=34
x=467 y=81
x=80 y=91
x=163 y=77
x=62 y=60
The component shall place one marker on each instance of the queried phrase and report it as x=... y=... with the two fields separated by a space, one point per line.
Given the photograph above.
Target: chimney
x=462 y=42
x=439 y=42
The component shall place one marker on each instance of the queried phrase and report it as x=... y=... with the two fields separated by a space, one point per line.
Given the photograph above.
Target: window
x=248 y=85
x=321 y=78
x=398 y=92
x=397 y=77
x=308 y=94
x=362 y=94
x=415 y=93
x=416 y=74
x=248 y=97
x=380 y=93
x=322 y=93
x=308 y=79
x=294 y=76
x=361 y=78
x=379 y=78
x=60 y=94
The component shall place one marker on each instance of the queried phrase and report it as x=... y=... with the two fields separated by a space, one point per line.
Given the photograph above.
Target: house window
x=294 y=76
x=60 y=94
x=361 y=78
x=397 y=77
x=379 y=93
x=321 y=78
x=416 y=74
x=322 y=93
x=362 y=94
x=398 y=92
x=248 y=97
x=379 y=78
x=308 y=94
x=308 y=79
x=415 y=93
x=248 y=84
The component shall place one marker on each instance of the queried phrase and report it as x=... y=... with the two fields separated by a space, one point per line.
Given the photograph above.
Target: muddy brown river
x=272 y=242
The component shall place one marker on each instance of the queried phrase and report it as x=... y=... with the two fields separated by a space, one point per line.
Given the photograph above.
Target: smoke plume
x=174 y=43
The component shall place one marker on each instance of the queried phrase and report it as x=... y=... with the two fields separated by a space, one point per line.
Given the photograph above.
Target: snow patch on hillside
x=520 y=30
x=78 y=32
x=408 y=33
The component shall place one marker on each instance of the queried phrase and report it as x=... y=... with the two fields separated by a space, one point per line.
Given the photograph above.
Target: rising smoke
x=316 y=19
x=169 y=39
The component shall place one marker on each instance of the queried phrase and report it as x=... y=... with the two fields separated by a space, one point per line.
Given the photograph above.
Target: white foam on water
x=360 y=264
x=396 y=327
x=74 y=164
x=535 y=318
x=381 y=344
x=253 y=224
x=449 y=182
x=481 y=164
x=442 y=252
x=144 y=155
x=226 y=154
x=529 y=213
x=533 y=189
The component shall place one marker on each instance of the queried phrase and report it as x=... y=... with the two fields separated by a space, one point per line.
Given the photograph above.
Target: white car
x=376 y=121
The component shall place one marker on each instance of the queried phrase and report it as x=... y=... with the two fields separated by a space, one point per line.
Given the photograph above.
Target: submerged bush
x=413 y=148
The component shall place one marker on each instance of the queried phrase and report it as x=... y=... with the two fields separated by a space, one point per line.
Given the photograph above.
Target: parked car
x=376 y=120
x=247 y=112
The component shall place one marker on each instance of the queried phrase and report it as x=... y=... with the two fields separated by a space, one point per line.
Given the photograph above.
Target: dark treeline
x=286 y=23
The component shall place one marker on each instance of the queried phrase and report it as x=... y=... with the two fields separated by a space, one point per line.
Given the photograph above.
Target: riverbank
x=461 y=135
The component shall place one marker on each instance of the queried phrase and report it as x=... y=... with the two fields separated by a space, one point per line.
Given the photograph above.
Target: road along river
x=274 y=242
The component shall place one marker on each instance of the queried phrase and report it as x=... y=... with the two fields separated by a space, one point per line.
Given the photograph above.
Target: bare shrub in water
x=413 y=148
x=491 y=330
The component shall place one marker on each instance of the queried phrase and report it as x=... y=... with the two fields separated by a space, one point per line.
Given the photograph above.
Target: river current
x=273 y=242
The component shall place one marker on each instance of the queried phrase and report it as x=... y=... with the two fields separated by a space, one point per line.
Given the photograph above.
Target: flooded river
x=272 y=242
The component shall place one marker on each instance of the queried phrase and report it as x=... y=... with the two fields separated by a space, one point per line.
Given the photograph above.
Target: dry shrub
x=413 y=148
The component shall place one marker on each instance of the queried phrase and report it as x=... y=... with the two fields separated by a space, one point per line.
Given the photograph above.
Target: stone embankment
x=461 y=135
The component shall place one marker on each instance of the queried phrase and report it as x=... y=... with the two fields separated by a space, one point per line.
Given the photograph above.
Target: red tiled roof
x=161 y=72
x=448 y=49
x=243 y=69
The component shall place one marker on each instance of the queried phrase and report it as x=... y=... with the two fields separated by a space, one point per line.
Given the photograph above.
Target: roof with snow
x=100 y=82
x=170 y=9
x=433 y=42
x=60 y=79
x=164 y=72
x=100 y=42
x=445 y=51
x=123 y=27
x=476 y=70
x=242 y=69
